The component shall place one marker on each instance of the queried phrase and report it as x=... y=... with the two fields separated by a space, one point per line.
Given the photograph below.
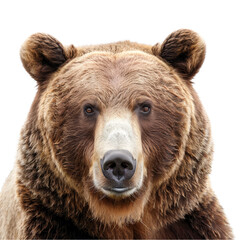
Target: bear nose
x=118 y=165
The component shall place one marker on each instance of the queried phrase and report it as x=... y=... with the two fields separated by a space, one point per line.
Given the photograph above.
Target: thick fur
x=50 y=192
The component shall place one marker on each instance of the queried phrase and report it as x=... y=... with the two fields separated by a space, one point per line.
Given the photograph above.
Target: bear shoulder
x=11 y=214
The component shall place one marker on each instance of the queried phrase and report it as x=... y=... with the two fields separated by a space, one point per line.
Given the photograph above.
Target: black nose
x=118 y=165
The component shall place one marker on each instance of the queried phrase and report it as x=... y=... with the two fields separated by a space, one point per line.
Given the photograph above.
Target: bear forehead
x=115 y=70
x=117 y=77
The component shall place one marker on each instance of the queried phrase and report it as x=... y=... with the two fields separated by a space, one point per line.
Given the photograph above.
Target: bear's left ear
x=184 y=50
x=42 y=55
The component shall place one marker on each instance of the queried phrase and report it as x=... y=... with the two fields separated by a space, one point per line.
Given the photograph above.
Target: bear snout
x=118 y=166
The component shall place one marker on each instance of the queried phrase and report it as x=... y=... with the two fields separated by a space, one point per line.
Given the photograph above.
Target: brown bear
x=116 y=145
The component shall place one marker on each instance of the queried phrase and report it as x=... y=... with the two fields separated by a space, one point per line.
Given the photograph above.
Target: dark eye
x=89 y=110
x=145 y=108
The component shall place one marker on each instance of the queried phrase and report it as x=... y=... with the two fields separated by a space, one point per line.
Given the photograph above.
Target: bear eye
x=145 y=108
x=89 y=110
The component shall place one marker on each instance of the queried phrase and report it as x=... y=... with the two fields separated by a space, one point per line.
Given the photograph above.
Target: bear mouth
x=118 y=191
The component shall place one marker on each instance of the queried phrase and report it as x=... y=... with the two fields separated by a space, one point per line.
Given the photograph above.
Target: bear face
x=116 y=136
x=128 y=111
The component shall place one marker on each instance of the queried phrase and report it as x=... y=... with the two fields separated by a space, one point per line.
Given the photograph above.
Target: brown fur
x=50 y=193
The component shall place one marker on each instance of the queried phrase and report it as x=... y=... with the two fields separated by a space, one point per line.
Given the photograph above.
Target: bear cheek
x=164 y=138
x=73 y=144
x=118 y=165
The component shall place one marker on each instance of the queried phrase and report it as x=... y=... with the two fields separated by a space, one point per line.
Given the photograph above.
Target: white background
x=92 y=22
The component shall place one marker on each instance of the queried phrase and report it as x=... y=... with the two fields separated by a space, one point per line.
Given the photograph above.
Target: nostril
x=110 y=165
x=126 y=165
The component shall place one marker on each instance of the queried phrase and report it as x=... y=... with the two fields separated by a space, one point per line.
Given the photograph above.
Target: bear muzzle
x=118 y=160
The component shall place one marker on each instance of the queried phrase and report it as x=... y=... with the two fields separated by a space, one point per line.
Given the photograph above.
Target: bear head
x=121 y=125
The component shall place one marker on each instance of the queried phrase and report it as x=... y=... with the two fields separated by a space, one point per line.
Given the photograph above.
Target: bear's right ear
x=42 y=55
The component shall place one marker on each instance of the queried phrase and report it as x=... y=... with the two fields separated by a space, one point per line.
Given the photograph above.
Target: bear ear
x=184 y=50
x=42 y=55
